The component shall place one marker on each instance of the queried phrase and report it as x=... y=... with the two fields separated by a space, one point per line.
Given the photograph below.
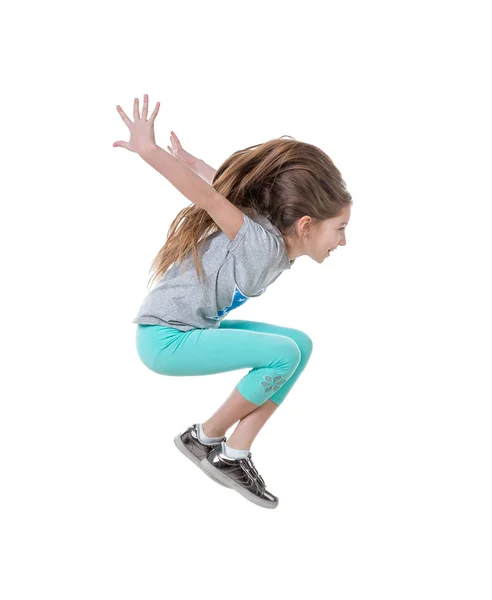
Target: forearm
x=204 y=170
x=189 y=183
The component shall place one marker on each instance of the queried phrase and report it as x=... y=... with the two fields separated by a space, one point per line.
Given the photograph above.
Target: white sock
x=233 y=453
x=204 y=439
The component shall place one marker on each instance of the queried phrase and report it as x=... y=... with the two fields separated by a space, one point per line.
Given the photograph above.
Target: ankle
x=234 y=453
x=211 y=432
x=231 y=442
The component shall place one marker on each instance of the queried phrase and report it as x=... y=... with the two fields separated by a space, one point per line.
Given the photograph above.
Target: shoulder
x=254 y=237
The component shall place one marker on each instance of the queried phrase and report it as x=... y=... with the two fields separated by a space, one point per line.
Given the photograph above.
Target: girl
x=265 y=206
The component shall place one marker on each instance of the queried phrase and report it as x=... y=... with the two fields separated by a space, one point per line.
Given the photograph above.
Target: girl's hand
x=141 y=130
x=178 y=152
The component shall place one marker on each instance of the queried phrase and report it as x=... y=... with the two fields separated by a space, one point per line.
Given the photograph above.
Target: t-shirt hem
x=150 y=321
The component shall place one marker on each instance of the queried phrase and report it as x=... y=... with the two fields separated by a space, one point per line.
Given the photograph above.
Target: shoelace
x=256 y=475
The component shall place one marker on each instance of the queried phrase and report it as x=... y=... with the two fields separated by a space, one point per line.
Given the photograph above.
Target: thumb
x=121 y=144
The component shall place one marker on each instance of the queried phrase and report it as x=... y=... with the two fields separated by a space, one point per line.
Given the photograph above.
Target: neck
x=293 y=250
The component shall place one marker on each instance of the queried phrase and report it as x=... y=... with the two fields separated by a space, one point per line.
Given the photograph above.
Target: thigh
x=301 y=338
x=209 y=351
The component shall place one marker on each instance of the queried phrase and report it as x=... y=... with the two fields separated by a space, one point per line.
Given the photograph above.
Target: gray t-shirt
x=235 y=270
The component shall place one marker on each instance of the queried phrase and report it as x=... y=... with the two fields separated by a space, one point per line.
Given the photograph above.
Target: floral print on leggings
x=272 y=384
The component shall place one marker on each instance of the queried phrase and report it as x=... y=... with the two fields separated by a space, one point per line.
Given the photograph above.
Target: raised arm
x=204 y=170
x=184 y=179
x=195 y=164
x=225 y=214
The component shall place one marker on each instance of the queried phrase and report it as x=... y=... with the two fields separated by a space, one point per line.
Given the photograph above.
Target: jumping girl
x=264 y=206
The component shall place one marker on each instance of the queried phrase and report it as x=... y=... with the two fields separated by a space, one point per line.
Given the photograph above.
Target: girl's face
x=319 y=241
x=330 y=234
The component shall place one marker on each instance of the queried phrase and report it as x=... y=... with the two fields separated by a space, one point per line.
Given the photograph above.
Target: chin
x=319 y=260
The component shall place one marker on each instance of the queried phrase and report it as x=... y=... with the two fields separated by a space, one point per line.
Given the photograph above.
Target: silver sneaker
x=189 y=445
x=241 y=475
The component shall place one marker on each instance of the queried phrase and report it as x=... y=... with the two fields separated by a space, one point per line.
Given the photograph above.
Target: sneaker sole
x=184 y=450
x=228 y=482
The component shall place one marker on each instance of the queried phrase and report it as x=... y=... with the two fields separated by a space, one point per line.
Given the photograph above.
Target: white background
x=381 y=453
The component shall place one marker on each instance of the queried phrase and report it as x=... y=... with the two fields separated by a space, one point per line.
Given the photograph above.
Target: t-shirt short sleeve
x=256 y=250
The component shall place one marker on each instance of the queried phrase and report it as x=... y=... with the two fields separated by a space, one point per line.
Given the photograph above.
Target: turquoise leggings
x=276 y=355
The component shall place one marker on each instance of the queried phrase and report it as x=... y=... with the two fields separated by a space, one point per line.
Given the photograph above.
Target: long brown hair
x=281 y=179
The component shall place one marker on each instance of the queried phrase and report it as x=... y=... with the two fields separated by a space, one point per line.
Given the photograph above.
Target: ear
x=305 y=226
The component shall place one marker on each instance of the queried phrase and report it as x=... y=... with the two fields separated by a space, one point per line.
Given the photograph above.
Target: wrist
x=147 y=148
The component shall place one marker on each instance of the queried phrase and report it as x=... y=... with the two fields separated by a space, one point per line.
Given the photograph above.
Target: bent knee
x=304 y=342
x=291 y=350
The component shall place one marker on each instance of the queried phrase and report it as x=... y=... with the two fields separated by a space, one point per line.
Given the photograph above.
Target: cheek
x=332 y=241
